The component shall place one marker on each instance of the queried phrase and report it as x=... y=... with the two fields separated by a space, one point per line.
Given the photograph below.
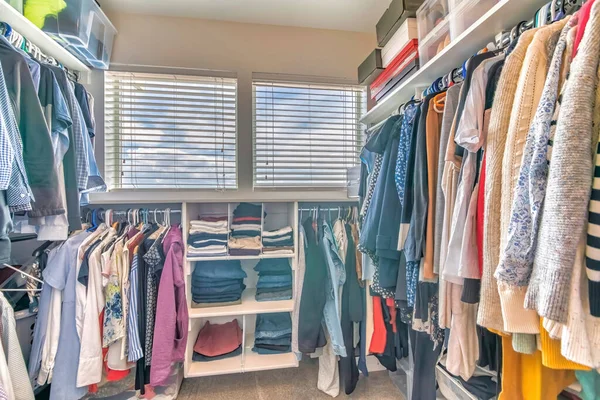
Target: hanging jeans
x=334 y=285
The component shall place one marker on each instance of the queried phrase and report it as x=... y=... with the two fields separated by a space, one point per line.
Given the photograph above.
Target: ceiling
x=346 y=15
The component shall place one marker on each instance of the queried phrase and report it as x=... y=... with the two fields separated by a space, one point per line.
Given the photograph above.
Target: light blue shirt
x=333 y=286
x=61 y=274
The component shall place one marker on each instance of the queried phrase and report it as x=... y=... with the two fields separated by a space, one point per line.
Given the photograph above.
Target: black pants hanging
x=425 y=360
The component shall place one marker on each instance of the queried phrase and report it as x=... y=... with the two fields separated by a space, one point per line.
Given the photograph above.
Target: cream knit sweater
x=513 y=278
x=490 y=313
x=569 y=183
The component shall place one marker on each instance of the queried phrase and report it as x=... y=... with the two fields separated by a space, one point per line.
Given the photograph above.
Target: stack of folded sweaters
x=217 y=283
x=218 y=341
x=245 y=230
x=274 y=280
x=273 y=333
x=280 y=241
x=208 y=237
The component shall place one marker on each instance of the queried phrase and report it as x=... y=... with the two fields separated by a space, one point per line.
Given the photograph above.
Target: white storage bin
x=464 y=13
x=433 y=27
x=81 y=26
x=435 y=42
x=407 y=32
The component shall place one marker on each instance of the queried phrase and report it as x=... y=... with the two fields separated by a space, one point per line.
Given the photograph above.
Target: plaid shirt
x=17 y=190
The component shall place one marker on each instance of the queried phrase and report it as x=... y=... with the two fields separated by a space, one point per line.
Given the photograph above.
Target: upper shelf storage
x=503 y=16
x=48 y=45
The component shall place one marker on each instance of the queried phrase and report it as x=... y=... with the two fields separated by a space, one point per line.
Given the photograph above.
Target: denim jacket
x=337 y=278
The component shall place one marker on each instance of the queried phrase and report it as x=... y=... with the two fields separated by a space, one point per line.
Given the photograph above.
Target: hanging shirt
x=21 y=386
x=461 y=261
x=62 y=275
x=38 y=154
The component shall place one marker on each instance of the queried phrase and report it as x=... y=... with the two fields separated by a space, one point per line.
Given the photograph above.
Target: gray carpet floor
x=284 y=384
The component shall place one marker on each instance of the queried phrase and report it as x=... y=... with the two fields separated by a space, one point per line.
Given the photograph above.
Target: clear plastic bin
x=464 y=13
x=433 y=27
x=16 y=4
x=435 y=41
x=430 y=16
x=81 y=26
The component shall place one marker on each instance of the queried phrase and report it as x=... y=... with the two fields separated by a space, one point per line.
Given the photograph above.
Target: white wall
x=185 y=43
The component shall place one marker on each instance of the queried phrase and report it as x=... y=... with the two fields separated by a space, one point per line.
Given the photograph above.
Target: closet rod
x=21 y=42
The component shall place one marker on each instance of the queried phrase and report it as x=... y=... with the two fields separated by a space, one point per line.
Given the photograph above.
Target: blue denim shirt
x=337 y=277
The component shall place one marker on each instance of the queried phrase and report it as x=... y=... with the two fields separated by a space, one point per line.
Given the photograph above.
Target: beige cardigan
x=529 y=91
x=490 y=314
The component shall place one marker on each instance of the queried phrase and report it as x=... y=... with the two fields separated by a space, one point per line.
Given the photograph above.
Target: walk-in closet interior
x=310 y=199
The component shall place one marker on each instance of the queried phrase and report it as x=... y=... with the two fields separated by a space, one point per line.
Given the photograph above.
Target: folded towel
x=206 y=249
x=278 y=250
x=279 y=232
x=278 y=243
x=211 y=219
x=200 y=244
x=247 y=220
x=246 y=227
x=209 y=224
x=207 y=236
x=245 y=233
x=251 y=243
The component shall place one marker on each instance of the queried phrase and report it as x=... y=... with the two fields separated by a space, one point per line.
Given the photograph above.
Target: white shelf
x=231 y=365
x=249 y=305
x=503 y=16
x=262 y=362
x=229 y=257
x=32 y=33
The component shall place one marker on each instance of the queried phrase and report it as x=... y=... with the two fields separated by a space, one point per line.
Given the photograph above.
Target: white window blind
x=170 y=131
x=306 y=135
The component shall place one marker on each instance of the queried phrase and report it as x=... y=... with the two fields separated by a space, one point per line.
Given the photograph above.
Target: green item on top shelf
x=37 y=10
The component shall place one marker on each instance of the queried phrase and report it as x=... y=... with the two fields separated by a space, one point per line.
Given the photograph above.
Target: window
x=170 y=131
x=306 y=135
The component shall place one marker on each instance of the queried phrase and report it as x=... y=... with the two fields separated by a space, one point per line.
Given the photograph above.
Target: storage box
x=435 y=41
x=81 y=26
x=406 y=73
x=408 y=54
x=407 y=32
x=371 y=68
x=430 y=16
x=464 y=13
x=393 y=18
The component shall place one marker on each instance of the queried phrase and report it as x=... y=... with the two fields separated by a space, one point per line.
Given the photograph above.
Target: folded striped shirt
x=278 y=232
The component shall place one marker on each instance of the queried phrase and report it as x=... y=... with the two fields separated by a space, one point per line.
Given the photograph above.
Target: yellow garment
x=37 y=10
x=525 y=378
x=551 y=356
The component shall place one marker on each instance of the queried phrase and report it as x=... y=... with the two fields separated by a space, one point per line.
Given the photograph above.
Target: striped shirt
x=135 y=351
x=592 y=253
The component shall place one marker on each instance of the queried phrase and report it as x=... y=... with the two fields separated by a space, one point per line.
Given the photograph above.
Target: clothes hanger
x=25 y=276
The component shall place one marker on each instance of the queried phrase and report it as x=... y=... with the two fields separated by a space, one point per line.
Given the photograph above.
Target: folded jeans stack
x=245 y=230
x=208 y=237
x=217 y=283
x=280 y=241
x=218 y=341
x=273 y=333
x=274 y=280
